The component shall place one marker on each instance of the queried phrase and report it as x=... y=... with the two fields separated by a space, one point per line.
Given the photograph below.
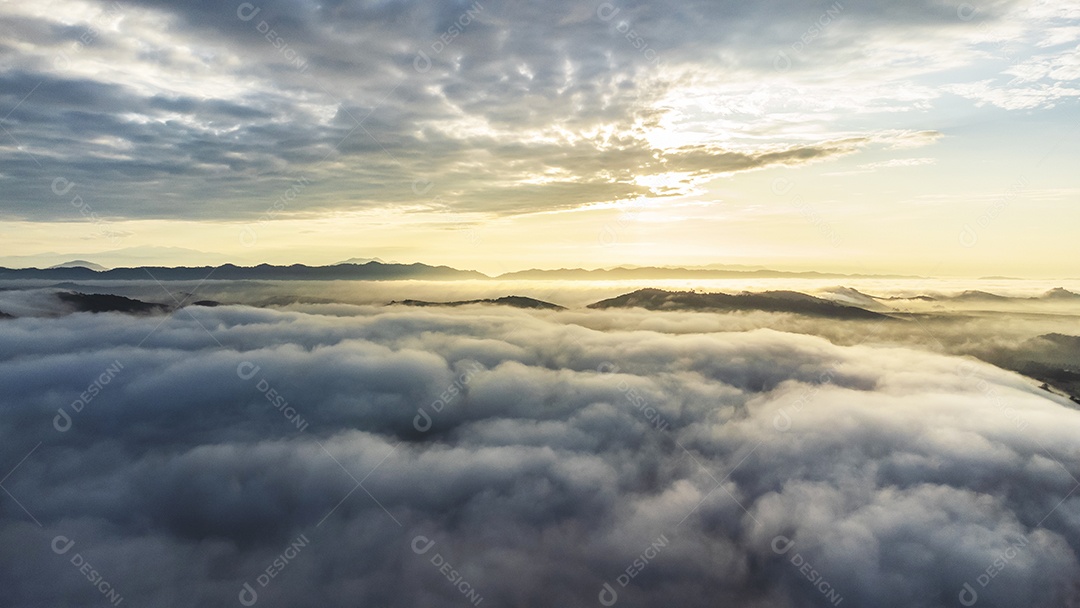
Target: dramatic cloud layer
x=364 y=447
x=213 y=110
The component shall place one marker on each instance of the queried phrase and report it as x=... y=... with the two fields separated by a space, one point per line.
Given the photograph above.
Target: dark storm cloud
x=202 y=116
x=556 y=456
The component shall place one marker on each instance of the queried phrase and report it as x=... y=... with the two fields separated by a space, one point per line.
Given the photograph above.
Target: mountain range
x=654 y=272
x=370 y=271
x=513 y=301
x=376 y=269
x=652 y=299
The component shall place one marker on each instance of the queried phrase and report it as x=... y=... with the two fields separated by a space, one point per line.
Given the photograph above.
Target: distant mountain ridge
x=371 y=271
x=843 y=303
x=362 y=261
x=80 y=264
x=974 y=295
x=513 y=301
x=653 y=272
x=377 y=270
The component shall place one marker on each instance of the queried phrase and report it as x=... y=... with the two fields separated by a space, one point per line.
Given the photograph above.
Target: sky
x=923 y=137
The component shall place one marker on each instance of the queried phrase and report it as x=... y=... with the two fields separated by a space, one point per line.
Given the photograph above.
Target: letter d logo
x=61 y=186
x=968 y=597
x=61 y=545
x=421 y=544
x=248 y=597
x=781 y=544
x=62 y=421
x=247 y=370
x=422 y=421
x=246 y=12
x=782 y=63
x=608 y=597
x=422 y=63
x=781 y=421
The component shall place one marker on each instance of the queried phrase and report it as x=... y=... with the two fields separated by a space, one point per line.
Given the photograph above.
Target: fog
x=569 y=293
x=333 y=454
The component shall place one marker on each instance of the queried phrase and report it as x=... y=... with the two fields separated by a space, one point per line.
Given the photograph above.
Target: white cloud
x=899 y=474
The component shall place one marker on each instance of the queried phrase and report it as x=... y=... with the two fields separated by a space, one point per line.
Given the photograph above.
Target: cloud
x=1016 y=98
x=888 y=164
x=556 y=456
x=198 y=111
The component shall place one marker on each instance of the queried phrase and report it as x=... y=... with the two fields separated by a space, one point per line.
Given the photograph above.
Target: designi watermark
x=422 y=421
x=248 y=595
x=246 y=11
x=247 y=370
x=636 y=398
x=422 y=544
x=62 y=420
x=422 y=61
x=608 y=595
x=782 y=544
x=968 y=595
x=62 y=544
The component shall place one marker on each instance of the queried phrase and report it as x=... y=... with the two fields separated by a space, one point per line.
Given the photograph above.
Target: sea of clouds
x=335 y=455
